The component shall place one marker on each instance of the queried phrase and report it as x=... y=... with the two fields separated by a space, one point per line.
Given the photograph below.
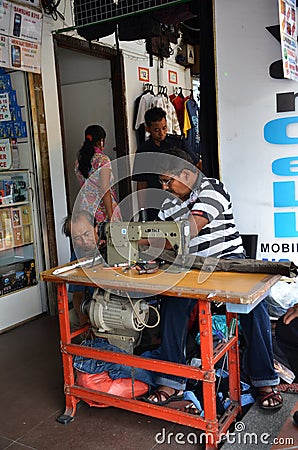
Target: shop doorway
x=91 y=90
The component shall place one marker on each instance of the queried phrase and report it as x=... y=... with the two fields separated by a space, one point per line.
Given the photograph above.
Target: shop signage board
x=258 y=127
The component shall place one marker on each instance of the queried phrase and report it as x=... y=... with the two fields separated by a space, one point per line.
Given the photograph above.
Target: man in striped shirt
x=207 y=205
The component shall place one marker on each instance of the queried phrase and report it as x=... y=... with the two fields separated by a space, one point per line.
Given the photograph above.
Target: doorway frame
x=118 y=95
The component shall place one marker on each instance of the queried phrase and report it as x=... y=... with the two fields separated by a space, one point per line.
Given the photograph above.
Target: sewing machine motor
x=119 y=319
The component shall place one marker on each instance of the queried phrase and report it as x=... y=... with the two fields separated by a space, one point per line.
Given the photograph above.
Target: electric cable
x=139 y=318
x=50 y=8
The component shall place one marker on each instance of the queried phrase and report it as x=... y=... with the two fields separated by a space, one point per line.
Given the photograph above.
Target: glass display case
x=17 y=259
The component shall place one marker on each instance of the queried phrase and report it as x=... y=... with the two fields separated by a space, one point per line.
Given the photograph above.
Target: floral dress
x=90 y=195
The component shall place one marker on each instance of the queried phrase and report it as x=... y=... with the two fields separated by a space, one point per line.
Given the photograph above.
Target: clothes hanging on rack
x=191 y=125
x=149 y=100
x=178 y=103
x=162 y=101
x=142 y=104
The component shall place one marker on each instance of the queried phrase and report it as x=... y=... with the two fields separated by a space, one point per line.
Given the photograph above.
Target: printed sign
x=4 y=59
x=4 y=107
x=25 y=23
x=5 y=12
x=5 y=154
x=25 y=55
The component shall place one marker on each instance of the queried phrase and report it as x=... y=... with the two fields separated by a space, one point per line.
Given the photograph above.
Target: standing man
x=145 y=171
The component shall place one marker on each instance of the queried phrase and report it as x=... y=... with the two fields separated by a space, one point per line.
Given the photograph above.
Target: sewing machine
x=123 y=239
x=121 y=319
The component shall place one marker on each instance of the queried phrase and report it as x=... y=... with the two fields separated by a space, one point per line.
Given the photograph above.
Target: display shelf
x=17 y=260
x=14 y=204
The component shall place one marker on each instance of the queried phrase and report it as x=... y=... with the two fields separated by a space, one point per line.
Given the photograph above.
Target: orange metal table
x=234 y=288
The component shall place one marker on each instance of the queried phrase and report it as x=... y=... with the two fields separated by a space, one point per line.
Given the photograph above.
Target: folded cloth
x=209 y=264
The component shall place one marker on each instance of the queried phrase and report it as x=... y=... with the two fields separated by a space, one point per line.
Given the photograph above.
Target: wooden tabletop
x=232 y=287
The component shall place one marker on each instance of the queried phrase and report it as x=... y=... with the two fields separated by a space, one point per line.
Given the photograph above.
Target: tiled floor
x=31 y=397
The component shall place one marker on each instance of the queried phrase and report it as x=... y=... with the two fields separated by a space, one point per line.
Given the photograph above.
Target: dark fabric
x=287 y=339
x=286 y=268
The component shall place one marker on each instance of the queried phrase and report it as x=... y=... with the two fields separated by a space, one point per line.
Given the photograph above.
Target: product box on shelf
x=18 y=276
x=18 y=236
x=27 y=234
x=26 y=214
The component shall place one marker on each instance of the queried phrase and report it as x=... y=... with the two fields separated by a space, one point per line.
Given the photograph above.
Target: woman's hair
x=93 y=134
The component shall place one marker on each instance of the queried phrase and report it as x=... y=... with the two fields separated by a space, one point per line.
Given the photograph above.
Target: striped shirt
x=219 y=237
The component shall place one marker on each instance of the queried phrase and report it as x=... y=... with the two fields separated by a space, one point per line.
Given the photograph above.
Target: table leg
x=68 y=372
x=209 y=394
x=234 y=363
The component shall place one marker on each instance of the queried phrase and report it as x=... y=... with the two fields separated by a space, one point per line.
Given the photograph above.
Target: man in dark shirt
x=145 y=172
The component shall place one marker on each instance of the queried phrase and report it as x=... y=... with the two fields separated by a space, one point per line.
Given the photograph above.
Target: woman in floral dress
x=94 y=173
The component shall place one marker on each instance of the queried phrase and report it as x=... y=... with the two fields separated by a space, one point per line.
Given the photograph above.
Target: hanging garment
x=191 y=125
x=178 y=103
x=161 y=101
x=146 y=102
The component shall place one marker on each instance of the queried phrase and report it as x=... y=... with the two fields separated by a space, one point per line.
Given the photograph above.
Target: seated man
x=207 y=205
x=287 y=337
x=82 y=228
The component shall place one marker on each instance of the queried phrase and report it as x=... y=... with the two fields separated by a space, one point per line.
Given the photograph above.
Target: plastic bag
x=122 y=387
x=282 y=296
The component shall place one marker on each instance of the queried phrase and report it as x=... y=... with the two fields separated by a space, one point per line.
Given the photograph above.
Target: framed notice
x=173 y=77
x=143 y=74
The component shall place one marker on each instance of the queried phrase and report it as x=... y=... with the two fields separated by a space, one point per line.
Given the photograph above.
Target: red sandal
x=274 y=395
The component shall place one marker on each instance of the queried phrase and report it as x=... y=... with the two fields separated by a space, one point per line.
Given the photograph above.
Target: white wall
x=246 y=102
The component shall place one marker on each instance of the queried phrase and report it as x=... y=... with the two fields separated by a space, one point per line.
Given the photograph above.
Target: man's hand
x=291 y=314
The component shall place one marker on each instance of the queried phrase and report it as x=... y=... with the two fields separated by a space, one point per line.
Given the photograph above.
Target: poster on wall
x=288 y=36
x=25 y=55
x=25 y=23
x=5 y=154
x=4 y=107
x=5 y=12
x=4 y=59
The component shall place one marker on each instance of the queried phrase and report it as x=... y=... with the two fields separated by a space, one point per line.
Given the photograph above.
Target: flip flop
x=159 y=393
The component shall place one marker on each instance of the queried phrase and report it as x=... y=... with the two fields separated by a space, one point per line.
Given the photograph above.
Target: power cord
x=50 y=8
x=138 y=316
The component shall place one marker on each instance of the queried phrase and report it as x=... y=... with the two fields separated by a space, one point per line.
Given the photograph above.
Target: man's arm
x=196 y=223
